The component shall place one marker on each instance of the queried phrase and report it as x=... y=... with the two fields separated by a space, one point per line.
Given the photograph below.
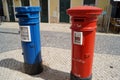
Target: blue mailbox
x=30 y=38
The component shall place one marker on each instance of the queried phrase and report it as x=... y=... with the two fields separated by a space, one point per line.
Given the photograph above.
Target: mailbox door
x=44 y=12
x=64 y=5
x=10 y=10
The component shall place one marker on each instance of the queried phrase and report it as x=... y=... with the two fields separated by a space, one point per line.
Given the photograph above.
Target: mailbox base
x=33 y=69
x=73 y=77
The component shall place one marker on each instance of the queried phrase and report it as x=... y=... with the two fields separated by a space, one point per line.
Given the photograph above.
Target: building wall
x=5 y=10
x=76 y=3
x=103 y=20
x=102 y=4
x=53 y=7
x=34 y=2
x=54 y=11
x=17 y=3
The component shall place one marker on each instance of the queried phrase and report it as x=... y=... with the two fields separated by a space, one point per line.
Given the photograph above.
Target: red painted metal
x=84 y=20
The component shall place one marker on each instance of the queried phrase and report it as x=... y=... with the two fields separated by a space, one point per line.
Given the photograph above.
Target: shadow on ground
x=47 y=74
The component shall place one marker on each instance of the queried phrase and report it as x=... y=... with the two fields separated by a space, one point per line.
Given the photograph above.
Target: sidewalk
x=43 y=26
x=61 y=27
x=56 y=59
x=57 y=66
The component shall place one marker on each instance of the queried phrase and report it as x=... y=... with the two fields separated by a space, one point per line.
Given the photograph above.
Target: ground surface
x=56 y=54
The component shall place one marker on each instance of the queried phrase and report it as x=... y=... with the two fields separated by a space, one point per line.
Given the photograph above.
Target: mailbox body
x=83 y=27
x=30 y=38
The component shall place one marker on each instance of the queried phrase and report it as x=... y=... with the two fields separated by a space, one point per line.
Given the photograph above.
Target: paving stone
x=57 y=65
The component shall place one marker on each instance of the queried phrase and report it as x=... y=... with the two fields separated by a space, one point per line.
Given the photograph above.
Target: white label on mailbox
x=78 y=38
x=25 y=33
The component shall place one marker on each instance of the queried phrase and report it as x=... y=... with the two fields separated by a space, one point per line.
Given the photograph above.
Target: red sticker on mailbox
x=78 y=38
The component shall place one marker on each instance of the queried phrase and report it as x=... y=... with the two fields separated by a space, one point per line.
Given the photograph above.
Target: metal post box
x=83 y=27
x=30 y=38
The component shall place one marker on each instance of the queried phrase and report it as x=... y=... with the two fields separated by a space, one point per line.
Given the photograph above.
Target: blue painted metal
x=29 y=16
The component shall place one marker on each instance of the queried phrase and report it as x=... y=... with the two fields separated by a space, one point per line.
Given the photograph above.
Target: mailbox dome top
x=28 y=9
x=84 y=10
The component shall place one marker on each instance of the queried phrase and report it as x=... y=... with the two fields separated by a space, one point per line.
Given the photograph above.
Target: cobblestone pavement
x=56 y=35
x=56 y=54
x=57 y=66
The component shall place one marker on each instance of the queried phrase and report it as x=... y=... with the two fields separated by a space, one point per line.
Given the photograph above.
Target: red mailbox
x=83 y=27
